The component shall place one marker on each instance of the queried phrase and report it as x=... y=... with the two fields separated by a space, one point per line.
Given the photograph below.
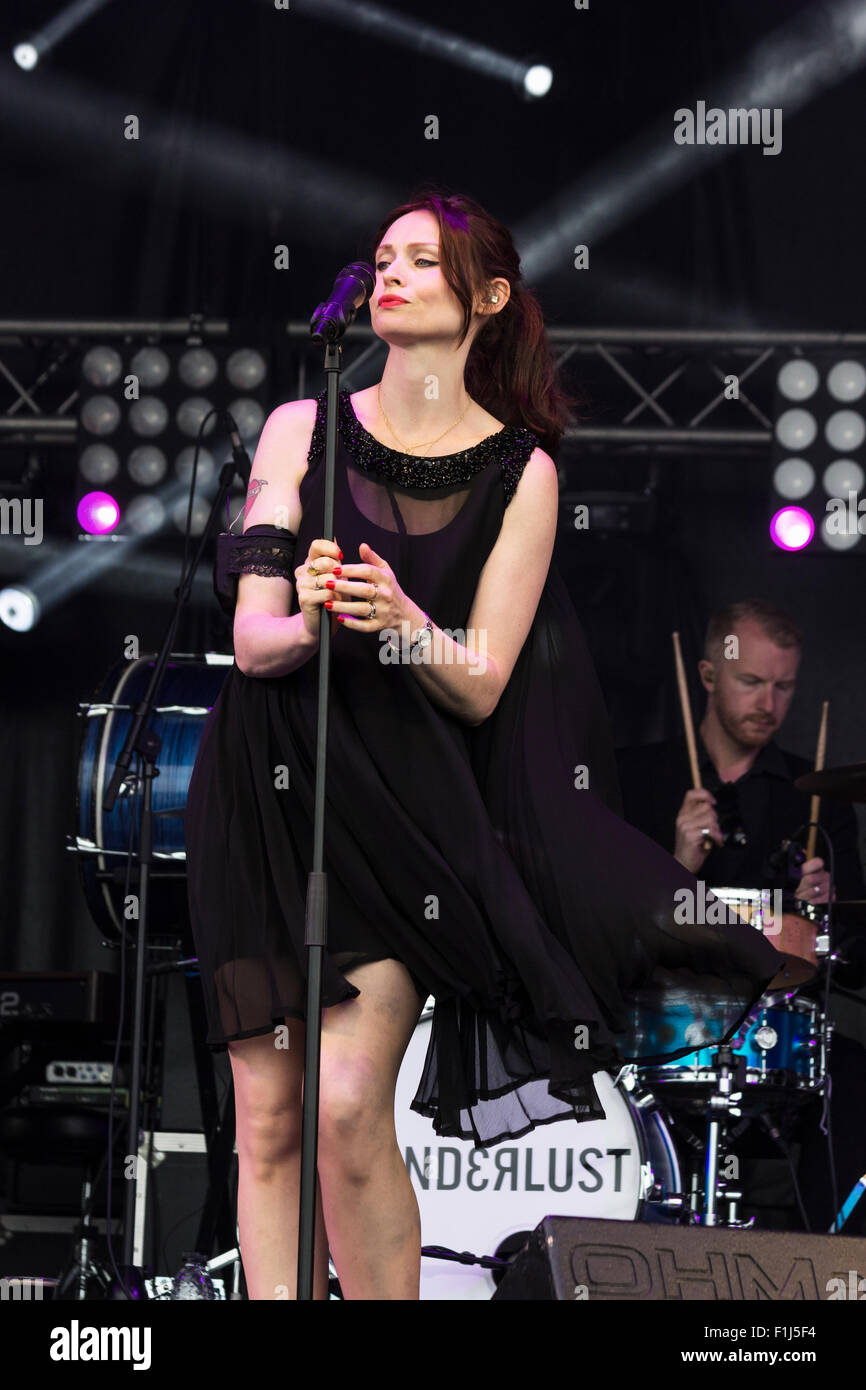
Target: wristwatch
x=422 y=637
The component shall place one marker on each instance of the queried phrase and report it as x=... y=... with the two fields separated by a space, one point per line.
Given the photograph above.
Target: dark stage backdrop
x=261 y=127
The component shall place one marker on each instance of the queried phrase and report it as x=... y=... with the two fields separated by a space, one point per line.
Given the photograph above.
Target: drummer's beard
x=748 y=730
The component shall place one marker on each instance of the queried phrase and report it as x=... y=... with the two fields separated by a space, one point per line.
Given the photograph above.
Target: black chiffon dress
x=490 y=860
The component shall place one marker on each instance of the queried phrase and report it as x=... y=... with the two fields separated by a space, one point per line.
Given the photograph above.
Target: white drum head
x=474 y=1199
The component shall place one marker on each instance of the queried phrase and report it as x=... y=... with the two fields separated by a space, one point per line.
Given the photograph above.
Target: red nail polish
x=329 y=603
x=341 y=617
x=329 y=584
x=338 y=569
x=341 y=554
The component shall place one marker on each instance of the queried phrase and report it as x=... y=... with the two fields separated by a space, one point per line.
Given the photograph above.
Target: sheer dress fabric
x=490 y=860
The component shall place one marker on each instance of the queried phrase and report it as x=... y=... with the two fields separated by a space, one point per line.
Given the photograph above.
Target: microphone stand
x=328 y=324
x=316 y=920
x=147 y=744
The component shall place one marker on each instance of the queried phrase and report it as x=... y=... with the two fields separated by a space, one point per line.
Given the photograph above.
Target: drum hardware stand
x=722 y=1103
x=144 y=741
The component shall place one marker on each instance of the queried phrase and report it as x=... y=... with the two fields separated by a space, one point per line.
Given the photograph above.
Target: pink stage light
x=97 y=513
x=792 y=528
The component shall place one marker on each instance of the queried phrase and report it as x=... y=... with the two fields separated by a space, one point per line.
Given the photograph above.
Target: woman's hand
x=315 y=580
x=371 y=580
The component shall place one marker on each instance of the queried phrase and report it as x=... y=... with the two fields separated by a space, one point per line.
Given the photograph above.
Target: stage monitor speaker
x=574 y=1258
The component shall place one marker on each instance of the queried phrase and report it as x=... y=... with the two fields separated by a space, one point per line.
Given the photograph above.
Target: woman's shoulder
x=298 y=424
x=296 y=415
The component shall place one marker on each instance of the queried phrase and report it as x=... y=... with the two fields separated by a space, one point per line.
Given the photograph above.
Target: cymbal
x=839 y=783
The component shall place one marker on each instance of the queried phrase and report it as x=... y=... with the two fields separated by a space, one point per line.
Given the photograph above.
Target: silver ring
x=372 y=612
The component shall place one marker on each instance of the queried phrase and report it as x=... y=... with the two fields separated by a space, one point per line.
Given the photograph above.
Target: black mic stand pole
x=316 y=921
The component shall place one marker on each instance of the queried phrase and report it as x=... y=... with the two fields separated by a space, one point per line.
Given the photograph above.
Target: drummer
x=748 y=805
x=748 y=808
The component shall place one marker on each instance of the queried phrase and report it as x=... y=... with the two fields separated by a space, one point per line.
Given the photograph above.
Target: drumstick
x=815 y=804
x=706 y=842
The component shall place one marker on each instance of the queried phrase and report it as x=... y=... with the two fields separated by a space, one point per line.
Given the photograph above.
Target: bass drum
x=189 y=689
x=488 y=1200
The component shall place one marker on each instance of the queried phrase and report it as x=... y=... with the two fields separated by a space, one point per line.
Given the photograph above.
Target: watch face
x=425 y=636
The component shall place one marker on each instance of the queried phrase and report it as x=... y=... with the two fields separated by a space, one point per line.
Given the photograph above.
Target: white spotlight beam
x=788 y=69
x=141 y=577
x=31 y=50
x=233 y=175
x=390 y=27
x=77 y=566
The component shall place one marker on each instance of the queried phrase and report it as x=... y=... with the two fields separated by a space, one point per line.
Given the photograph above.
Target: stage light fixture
x=147 y=465
x=843 y=476
x=30 y=51
x=537 y=80
x=200 y=514
x=796 y=429
x=846 y=381
x=845 y=431
x=197 y=368
x=151 y=365
x=792 y=528
x=153 y=438
x=794 y=478
x=184 y=461
x=26 y=56
x=97 y=513
x=145 y=515
x=819 y=443
x=839 y=538
x=99 y=463
x=246 y=369
x=798 y=379
x=19 y=608
x=100 y=415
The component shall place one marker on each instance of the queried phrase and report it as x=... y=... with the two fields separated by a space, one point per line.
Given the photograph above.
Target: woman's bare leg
x=268 y=1089
x=369 y=1203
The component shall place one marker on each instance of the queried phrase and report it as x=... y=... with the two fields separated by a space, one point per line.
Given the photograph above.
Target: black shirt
x=756 y=813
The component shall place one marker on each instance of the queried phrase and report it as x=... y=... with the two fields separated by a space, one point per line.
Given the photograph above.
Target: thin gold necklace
x=409 y=449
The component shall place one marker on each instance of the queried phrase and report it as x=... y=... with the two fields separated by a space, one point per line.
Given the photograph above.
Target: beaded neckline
x=510 y=447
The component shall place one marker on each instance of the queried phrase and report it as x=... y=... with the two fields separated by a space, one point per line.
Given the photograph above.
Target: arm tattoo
x=255 y=487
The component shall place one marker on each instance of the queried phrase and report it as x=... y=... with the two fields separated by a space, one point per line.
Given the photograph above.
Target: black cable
x=776 y=1136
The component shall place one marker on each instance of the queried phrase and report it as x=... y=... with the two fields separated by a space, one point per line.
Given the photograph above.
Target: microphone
x=239 y=453
x=789 y=856
x=352 y=287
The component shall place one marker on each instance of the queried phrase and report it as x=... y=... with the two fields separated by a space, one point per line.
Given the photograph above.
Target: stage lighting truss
x=665 y=395
x=660 y=394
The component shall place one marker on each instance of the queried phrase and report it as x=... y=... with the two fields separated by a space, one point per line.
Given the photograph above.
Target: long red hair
x=510 y=369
